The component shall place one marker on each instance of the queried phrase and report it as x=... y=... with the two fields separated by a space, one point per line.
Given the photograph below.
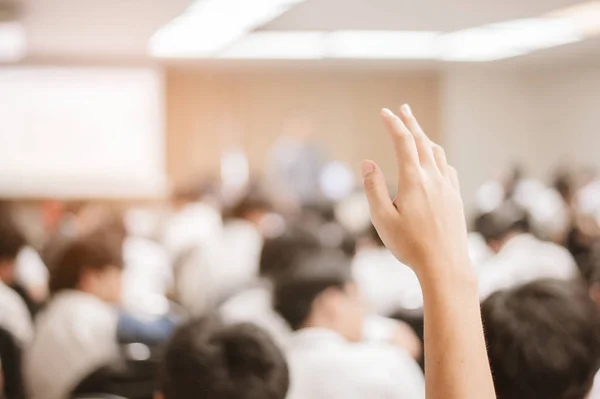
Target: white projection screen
x=81 y=133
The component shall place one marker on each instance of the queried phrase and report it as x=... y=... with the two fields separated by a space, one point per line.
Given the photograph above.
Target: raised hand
x=424 y=226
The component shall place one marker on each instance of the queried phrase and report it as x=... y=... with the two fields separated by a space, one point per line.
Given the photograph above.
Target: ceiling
x=114 y=29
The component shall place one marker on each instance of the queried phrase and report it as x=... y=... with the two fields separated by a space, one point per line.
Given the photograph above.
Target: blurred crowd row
x=66 y=266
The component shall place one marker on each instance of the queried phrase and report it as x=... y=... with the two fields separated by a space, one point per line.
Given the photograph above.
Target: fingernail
x=386 y=112
x=367 y=167
x=406 y=109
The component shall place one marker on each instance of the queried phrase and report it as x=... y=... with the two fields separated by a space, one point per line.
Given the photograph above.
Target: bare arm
x=424 y=226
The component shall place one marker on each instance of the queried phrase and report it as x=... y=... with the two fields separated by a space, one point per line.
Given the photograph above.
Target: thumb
x=378 y=196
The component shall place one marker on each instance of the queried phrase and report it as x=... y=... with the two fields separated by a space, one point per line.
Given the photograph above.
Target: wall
x=487 y=124
x=568 y=114
x=206 y=108
x=541 y=119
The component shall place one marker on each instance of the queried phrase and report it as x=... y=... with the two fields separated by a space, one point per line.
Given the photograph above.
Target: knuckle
x=439 y=150
x=370 y=184
x=413 y=175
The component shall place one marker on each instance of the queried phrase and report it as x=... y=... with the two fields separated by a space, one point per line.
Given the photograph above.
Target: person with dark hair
x=14 y=315
x=16 y=264
x=77 y=331
x=543 y=340
x=328 y=354
x=208 y=275
x=388 y=285
x=11 y=380
x=15 y=304
x=278 y=255
x=520 y=256
x=206 y=359
x=11 y=242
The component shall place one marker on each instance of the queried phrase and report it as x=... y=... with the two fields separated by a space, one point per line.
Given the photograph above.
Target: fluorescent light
x=383 y=44
x=13 y=43
x=507 y=39
x=585 y=17
x=208 y=26
x=338 y=44
x=278 y=45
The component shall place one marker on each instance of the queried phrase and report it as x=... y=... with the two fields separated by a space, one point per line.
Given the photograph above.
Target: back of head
x=543 y=341
x=320 y=291
x=11 y=242
x=252 y=204
x=11 y=238
x=206 y=359
x=279 y=254
x=95 y=253
x=505 y=219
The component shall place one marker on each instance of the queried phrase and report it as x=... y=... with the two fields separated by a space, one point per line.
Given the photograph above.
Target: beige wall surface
x=204 y=109
x=541 y=119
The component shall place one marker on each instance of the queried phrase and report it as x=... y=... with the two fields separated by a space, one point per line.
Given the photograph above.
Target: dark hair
x=209 y=360
x=313 y=274
x=279 y=254
x=543 y=340
x=95 y=252
x=11 y=238
x=505 y=219
x=253 y=201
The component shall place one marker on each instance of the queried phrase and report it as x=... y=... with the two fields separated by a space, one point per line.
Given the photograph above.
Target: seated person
x=254 y=304
x=543 y=340
x=326 y=354
x=206 y=359
x=14 y=315
x=387 y=285
x=11 y=382
x=278 y=257
x=81 y=327
x=77 y=331
x=131 y=376
x=520 y=257
x=12 y=242
x=231 y=263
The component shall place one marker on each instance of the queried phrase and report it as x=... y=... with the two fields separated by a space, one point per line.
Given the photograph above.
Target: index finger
x=407 y=156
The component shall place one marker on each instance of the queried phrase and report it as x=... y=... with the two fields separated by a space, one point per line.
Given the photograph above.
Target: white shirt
x=195 y=224
x=14 y=316
x=385 y=283
x=212 y=273
x=523 y=259
x=595 y=392
x=479 y=252
x=147 y=277
x=254 y=305
x=238 y=259
x=325 y=366
x=76 y=334
x=30 y=269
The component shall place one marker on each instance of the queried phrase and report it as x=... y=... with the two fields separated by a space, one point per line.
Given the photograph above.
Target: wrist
x=456 y=275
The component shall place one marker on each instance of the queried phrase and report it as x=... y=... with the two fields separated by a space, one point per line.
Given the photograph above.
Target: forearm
x=456 y=362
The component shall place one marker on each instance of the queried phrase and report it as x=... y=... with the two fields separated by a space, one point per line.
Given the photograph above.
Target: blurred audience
x=207 y=359
x=77 y=332
x=327 y=355
x=298 y=275
x=520 y=256
x=15 y=258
